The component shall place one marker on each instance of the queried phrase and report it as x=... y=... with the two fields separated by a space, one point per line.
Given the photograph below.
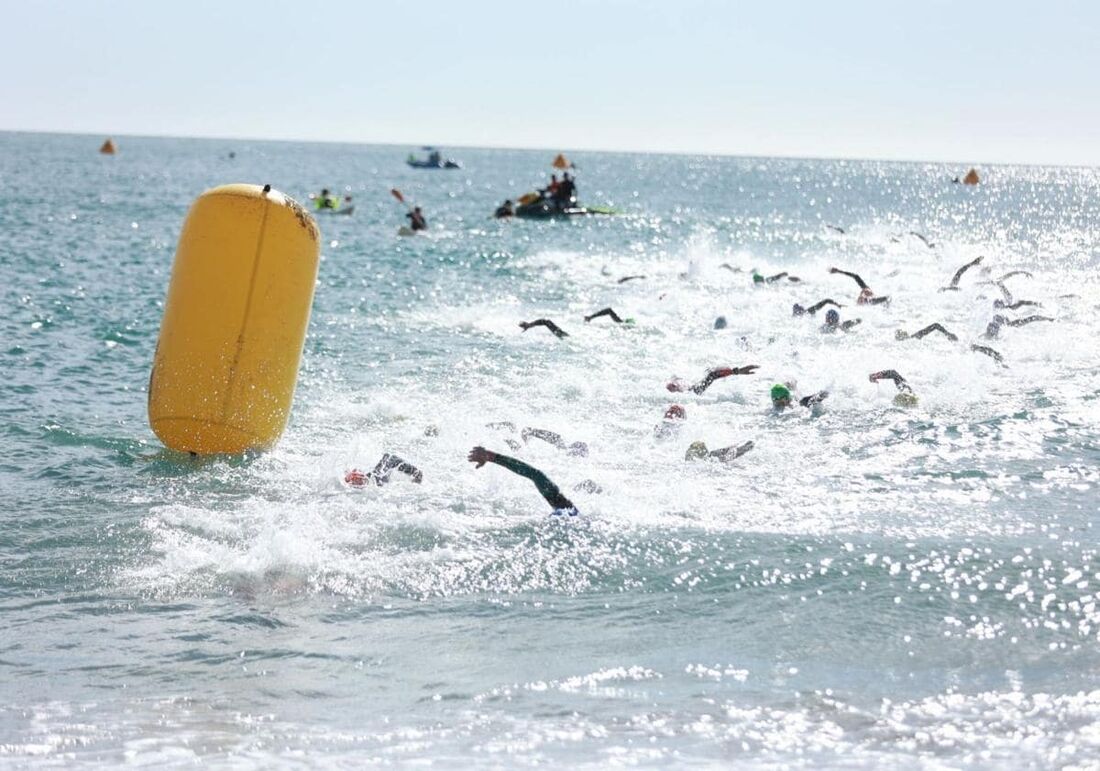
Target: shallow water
x=869 y=587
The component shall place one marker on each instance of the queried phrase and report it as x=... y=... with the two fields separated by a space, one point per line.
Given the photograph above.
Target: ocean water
x=870 y=586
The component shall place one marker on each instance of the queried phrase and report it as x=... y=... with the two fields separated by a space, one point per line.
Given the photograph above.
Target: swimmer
x=721 y=323
x=759 y=278
x=782 y=395
x=1009 y=302
x=609 y=313
x=937 y=327
x=380 y=474
x=833 y=324
x=676 y=384
x=730 y=268
x=989 y=352
x=547 y=489
x=558 y=331
x=993 y=329
x=905 y=396
x=798 y=310
x=927 y=243
x=866 y=296
x=672 y=422
x=699 y=451
x=576 y=448
x=954 y=285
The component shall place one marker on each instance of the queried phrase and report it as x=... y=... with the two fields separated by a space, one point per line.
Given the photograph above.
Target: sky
x=947 y=80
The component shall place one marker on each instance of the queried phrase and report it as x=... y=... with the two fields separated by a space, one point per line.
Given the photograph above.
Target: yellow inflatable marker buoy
x=108 y=147
x=234 y=322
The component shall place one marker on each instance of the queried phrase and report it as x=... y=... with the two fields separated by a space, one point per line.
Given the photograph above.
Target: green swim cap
x=757 y=278
x=696 y=451
x=780 y=391
x=628 y=321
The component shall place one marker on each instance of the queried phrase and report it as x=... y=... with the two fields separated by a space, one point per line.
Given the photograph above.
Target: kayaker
x=416 y=219
x=326 y=200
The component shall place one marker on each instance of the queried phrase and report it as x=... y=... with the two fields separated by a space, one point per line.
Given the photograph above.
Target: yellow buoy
x=234 y=322
x=108 y=147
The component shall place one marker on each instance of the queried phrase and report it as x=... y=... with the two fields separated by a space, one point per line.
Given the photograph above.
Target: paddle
x=397 y=194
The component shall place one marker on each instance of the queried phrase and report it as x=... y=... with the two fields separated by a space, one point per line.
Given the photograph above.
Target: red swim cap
x=676 y=412
x=355 y=478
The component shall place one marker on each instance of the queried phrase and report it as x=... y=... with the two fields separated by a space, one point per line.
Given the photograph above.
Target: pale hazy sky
x=931 y=80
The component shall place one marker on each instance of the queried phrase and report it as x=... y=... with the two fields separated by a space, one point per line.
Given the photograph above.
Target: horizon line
x=376 y=143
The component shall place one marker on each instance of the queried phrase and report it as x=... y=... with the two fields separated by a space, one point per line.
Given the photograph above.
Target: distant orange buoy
x=108 y=147
x=561 y=162
x=971 y=178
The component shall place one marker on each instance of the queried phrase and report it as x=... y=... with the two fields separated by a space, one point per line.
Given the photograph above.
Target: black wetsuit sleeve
x=1027 y=320
x=812 y=399
x=707 y=381
x=819 y=305
x=959 y=273
x=558 y=331
x=892 y=374
x=546 y=436
x=855 y=277
x=546 y=488
x=605 y=312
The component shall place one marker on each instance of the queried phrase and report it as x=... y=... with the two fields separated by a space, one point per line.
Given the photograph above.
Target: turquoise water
x=869 y=587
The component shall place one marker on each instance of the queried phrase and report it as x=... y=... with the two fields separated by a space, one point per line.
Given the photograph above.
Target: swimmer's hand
x=748 y=369
x=480 y=456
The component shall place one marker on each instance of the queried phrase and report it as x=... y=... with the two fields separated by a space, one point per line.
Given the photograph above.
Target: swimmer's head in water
x=757 y=278
x=579 y=449
x=865 y=296
x=905 y=399
x=356 y=478
x=781 y=395
x=675 y=412
x=696 y=451
x=720 y=322
x=798 y=310
x=901 y=334
x=832 y=318
x=676 y=385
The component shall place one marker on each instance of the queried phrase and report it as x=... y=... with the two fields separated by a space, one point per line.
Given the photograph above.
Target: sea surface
x=869 y=587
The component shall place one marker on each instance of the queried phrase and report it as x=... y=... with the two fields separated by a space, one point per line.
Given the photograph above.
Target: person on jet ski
x=566 y=194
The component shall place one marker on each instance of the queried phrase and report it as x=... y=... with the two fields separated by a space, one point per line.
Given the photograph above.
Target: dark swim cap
x=720 y=322
x=832 y=317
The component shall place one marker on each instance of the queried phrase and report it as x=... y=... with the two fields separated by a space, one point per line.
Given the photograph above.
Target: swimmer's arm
x=1012 y=273
x=388 y=463
x=812 y=399
x=776 y=277
x=849 y=274
x=988 y=352
x=558 y=331
x=546 y=436
x=1027 y=320
x=891 y=374
x=959 y=273
x=848 y=325
x=1021 y=303
x=605 y=312
x=731 y=453
x=549 y=491
x=937 y=327
x=624 y=279
x=819 y=305
x=721 y=372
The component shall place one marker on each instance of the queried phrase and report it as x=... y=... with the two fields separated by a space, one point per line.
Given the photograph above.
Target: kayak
x=345 y=210
x=405 y=230
x=447 y=164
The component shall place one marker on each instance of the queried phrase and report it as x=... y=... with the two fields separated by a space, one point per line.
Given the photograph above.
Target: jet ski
x=434 y=161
